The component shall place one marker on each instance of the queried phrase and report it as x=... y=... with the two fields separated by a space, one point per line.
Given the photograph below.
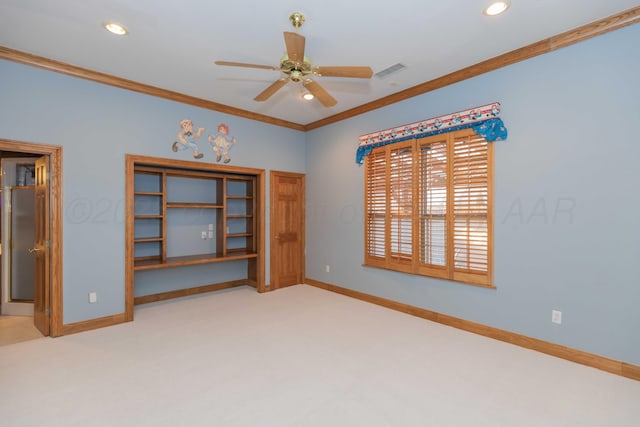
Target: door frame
x=272 y=234
x=54 y=153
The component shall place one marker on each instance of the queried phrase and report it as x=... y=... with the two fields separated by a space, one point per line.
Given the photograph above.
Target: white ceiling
x=172 y=44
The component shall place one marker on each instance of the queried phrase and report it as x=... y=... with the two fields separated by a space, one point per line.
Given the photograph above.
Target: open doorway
x=31 y=252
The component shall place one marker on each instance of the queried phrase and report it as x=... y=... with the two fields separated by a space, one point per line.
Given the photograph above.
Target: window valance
x=484 y=120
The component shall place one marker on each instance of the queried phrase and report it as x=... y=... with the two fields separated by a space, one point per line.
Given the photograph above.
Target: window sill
x=466 y=281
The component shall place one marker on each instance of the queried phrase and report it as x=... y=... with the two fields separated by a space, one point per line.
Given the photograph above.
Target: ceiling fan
x=298 y=68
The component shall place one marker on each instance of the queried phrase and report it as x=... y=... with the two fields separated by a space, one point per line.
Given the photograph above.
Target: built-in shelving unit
x=183 y=213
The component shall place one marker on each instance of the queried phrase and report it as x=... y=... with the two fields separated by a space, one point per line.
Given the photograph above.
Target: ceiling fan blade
x=242 y=64
x=295 y=46
x=319 y=92
x=356 y=72
x=268 y=92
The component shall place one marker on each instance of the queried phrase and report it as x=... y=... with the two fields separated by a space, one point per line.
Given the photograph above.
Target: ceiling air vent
x=390 y=70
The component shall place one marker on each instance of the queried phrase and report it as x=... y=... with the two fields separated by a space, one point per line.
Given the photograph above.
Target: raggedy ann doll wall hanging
x=221 y=142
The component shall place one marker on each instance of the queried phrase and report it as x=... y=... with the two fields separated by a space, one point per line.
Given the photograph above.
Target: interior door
x=287 y=229
x=40 y=249
x=22 y=228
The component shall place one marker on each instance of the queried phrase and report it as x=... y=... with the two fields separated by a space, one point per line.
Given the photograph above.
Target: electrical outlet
x=327 y=268
x=93 y=297
x=204 y=235
x=556 y=316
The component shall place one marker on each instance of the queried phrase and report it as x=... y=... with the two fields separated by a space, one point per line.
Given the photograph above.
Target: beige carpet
x=299 y=356
x=15 y=329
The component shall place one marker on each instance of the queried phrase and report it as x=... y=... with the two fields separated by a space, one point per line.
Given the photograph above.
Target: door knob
x=34 y=250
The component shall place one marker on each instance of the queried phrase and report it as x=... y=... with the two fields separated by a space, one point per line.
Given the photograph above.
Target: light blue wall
x=97 y=125
x=566 y=199
x=567 y=230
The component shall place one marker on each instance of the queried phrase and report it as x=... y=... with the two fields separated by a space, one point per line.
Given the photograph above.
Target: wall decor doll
x=187 y=139
x=221 y=143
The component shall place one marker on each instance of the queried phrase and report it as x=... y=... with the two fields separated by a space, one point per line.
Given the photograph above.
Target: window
x=429 y=207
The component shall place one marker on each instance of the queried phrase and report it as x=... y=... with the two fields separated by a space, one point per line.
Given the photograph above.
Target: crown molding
x=597 y=28
x=576 y=35
x=83 y=73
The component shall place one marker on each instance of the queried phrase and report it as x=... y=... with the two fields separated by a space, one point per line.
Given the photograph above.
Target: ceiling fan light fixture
x=296 y=75
x=116 y=28
x=496 y=8
x=308 y=96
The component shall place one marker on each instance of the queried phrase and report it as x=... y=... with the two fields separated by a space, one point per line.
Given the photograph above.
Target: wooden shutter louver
x=472 y=180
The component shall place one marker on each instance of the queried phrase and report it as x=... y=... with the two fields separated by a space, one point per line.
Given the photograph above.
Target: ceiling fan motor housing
x=296 y=70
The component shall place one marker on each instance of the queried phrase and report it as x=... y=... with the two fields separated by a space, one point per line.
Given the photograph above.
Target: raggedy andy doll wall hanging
x=187 y=138
x=221 y=142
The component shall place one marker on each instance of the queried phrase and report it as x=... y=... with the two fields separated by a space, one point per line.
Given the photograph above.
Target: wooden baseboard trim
x=88 y=325
x=578 y=356
x=191 y=291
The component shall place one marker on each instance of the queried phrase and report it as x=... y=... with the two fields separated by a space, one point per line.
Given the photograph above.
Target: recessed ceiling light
x=496 y=8
x=115 y=28
x=308 y=96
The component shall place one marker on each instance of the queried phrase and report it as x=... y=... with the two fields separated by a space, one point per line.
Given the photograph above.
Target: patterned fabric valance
x=483 y=120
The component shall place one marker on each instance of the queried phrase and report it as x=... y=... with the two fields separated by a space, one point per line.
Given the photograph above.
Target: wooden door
x=287 y=229
x=41 y=248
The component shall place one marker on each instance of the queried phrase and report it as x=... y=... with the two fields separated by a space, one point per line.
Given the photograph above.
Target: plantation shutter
x=376 y=206
x=472 y=187
x=433 y=205
x=429 y=207
x=400 y=203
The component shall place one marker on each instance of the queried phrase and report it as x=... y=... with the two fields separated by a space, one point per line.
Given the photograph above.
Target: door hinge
x=48 y=176
x=47 y=311
x=47 y=243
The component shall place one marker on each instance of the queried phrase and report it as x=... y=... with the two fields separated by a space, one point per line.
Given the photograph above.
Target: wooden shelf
x=148 y=217
x=179 y=261
x=237 y=251
x=148 y=193
x=148 y=240
x=183 y=205
x=239 y=235
x=239 y=216
x=240 y=197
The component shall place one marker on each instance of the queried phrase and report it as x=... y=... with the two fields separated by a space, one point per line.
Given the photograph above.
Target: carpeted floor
x=299 y=356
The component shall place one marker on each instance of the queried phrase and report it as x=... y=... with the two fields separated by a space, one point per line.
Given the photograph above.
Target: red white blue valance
x=484 y=120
